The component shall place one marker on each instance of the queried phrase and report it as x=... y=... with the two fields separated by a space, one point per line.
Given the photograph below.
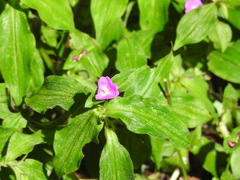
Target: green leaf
x=15 y=120
x=29 y=169
x=106 y=15
x=57 y=14
x=224 y=65
x=130 y=55
x=196 y=25
x=221 y=35
x=20 y=144
x=233 y=15
x=149 y=116
x=69 y=141
x=230 y=97
x=56 y=91
x=235 y=162
x=153 y=14
x=189 y=109
x=157 y=148
x=5 y=134
x=145 y=38
x=93 y=63
x=4 y=107
x=115 y=162
x=198 y=87
x=16 y=52
x=235 y=3
x=144 y=81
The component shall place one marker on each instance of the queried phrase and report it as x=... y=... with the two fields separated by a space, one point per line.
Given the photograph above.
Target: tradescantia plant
x=119 y=89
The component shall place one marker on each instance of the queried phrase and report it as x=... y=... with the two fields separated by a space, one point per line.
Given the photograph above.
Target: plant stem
x=168 y=96
x=182 y=165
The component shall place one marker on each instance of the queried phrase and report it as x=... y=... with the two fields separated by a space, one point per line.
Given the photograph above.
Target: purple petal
x=192 y=4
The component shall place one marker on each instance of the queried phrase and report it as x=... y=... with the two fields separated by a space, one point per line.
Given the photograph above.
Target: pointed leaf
x=104 y=13
x=115 y=162
x=93 y=63
x=196 y=25
x=29 y=169
x=130 y=55
x=153 y=14
x=56 y=91
x=16 y=52
x=149 y=116
x=15 y=120
x=20 y=143
x=57 y=14
x=5 y=134
x=224 y=65
x=69 y=141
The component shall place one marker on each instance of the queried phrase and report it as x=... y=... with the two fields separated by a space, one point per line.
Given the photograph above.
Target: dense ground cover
x=119 y=89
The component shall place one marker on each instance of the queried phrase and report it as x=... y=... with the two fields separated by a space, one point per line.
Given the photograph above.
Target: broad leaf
x=93 y=63
x=198 y=87
x=105 y=16
x=196 y=25
x=16 y=52
x=221 y=35
x=15 y=120
x=130 y=55
x=56 y=91
x=233 y=15
x=29 y=169
x=70 y=140
x=57 y=14
x=115 y=162
x=149 y=116
x=144 y=81
x=153 y=14
x=20 y=144
x=226 y=65
x=189 y=109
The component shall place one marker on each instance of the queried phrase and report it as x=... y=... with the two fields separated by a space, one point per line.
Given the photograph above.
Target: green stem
x=182 y=165
x=168 y=96
x=47 y=60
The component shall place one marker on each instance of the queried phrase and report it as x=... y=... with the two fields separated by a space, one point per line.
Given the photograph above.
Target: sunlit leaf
x=57 y=14
x=70 y=140
x=16 y=52
x=149 y=116
x=121 y=165
x=196 y=25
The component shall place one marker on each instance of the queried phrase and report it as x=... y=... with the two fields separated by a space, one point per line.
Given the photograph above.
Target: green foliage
x=177 y=111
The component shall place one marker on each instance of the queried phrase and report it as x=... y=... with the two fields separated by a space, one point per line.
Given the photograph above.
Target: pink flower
x=106 y=89
x=192 y=4
x=232 y=144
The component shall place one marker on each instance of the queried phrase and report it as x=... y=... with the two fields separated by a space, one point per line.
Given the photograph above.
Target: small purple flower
x=232 y=144
x=106 y=89
x=192 y=4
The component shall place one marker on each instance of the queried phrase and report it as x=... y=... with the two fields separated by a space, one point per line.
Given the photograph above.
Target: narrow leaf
x=70 y=140
x=196 y=25
x=57 y=14
x=56 y=91
x=115 y=162
x=149 y=116
x=16 y=52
